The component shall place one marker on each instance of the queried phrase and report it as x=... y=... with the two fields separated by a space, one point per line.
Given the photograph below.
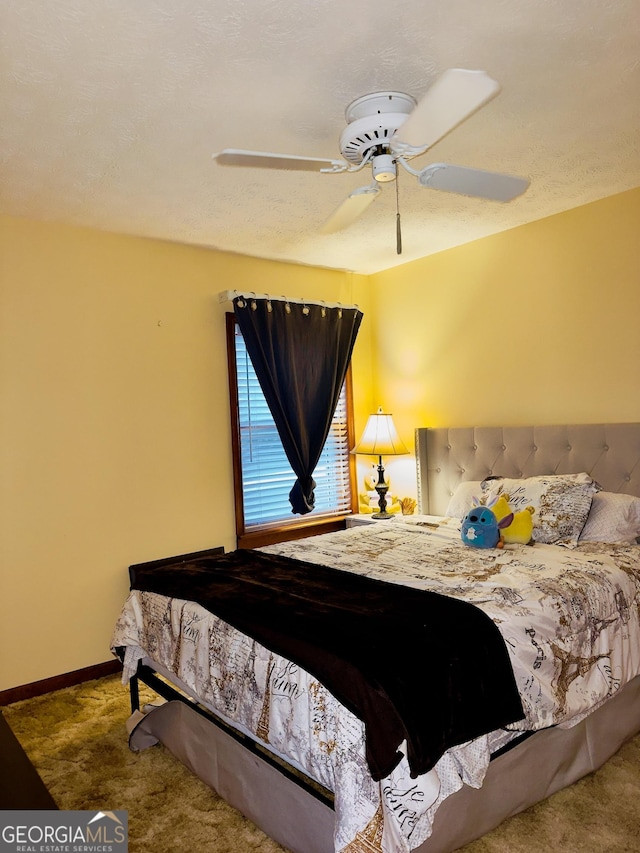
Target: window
x=263 y=476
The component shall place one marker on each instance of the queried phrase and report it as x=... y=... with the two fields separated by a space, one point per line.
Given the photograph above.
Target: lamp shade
x=380 y=437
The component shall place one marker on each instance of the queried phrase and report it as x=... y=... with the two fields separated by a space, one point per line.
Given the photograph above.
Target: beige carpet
x=77 y=740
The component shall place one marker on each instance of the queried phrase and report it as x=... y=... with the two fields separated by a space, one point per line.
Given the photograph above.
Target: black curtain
x=300 y=354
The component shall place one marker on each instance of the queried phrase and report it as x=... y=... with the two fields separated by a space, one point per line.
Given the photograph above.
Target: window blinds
x=267 y=477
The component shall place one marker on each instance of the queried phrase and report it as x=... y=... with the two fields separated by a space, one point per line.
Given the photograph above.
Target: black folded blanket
x=410 y=664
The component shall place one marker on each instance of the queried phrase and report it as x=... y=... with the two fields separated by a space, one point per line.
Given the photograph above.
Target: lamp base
x=382 y=488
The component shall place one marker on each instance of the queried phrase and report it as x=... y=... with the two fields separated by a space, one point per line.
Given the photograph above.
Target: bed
x=277 y=744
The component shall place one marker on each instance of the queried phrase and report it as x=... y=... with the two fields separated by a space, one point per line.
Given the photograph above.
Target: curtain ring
x=240 y=302
x=305 y=309
x=269 y=306
x=287 y=307
x=254 y=304
x=323 y=309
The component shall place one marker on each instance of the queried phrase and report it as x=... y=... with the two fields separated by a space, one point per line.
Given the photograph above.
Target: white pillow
x=462 y=498
x=561 y=502
x=614 y=518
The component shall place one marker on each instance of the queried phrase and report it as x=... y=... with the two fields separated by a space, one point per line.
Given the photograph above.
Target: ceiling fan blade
x=473 y=182
x=456 y=95
x=350 y=209
x=264 y=160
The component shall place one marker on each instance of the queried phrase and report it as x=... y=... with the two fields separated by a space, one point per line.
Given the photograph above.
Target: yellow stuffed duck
x=521 y=528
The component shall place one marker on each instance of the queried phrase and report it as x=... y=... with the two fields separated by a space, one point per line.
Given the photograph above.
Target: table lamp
x=380 y=438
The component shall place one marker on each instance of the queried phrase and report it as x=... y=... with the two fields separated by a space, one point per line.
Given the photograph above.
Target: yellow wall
x=114 y=423
x=535 y=325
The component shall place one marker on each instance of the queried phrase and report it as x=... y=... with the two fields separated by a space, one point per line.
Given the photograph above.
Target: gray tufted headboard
x=446 y=456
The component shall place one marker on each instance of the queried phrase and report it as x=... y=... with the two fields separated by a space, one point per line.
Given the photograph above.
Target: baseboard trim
x=58 y=682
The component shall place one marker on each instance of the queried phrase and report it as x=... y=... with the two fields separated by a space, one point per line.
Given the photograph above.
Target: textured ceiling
x=111 y=110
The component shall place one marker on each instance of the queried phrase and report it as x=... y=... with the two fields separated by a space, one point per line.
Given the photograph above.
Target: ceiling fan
x=388 y=129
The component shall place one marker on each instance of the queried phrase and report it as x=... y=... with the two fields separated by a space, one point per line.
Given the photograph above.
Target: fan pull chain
x=398 y=230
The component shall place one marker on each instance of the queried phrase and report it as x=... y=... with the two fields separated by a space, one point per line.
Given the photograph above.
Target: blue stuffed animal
x=481 y=528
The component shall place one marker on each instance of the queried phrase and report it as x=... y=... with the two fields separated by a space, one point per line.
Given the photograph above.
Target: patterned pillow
x=561 y=502
x=614 y=518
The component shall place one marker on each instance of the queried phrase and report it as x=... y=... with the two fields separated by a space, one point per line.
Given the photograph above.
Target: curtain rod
x=230 y=295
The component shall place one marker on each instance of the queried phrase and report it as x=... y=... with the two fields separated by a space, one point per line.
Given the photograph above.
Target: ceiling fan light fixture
x=384 y=168
x=385 y=130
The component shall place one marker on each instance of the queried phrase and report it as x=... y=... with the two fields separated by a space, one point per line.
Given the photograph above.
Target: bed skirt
x=537 y=767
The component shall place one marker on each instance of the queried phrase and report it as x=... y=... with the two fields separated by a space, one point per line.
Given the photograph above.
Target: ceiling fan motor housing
x=372 y=121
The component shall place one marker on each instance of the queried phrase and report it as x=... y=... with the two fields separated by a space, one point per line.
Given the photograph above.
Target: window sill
x=272 y=535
